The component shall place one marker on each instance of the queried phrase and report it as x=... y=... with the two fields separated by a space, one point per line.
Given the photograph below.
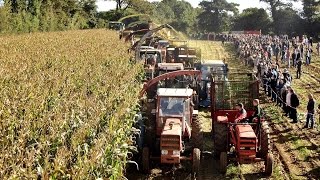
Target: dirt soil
x=296 y=151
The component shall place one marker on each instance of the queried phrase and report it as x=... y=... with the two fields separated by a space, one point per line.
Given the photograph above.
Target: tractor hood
x=245 y=131
x=173 y=126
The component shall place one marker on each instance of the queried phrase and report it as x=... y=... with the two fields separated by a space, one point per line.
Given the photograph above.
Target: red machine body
x=239 y=141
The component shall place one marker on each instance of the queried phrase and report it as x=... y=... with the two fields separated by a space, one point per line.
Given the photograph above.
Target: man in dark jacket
x=299 y=65
x=311 y=111
x=284 y=96
x=294 y=105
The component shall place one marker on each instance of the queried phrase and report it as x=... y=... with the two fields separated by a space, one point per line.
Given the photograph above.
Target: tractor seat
x=245 y=131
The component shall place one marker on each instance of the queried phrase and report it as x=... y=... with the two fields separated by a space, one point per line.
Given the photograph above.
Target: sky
x=107 y=5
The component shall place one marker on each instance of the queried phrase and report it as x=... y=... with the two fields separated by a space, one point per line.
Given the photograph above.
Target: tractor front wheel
x=146 y=160
x=269 y=164
x=223 y=162
x=196 y=156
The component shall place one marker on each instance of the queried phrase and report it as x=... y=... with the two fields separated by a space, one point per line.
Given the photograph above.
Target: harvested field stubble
x=66 y=106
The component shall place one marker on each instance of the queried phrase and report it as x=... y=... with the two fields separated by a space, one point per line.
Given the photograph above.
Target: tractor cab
x=117 y=26
x=187 y=60
x=172 y=128
x=173 y=121
x=162 y=45
x=186 y=55
x=215 y=69
x=151 y=58
x=177 y=82
x=170 y=53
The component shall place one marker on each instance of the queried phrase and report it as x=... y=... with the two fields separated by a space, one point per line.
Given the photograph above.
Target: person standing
x=288 y=102
x=294 y=105
x=311 y=42
x=301 y=51
x=298 y=57
x=299 y=66
x=277 y=50
x=311 y=111
x=284 y=92
x=308 y=55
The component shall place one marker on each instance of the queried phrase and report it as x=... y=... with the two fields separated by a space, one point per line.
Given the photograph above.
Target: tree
x=253 y=19
x=121 y=4
x=288 y=21
x=311 y=12
x=142 y=6
x=216 y=15
x=163 y=12
x=180 y=14
x=274 y=6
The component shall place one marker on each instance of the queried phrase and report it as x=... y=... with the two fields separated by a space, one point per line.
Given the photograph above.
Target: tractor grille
x=247 y=147
x=170 y=142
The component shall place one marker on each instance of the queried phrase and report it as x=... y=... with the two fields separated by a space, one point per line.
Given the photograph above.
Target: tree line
x=221 y=16
x=211 y=15
x=47 y=15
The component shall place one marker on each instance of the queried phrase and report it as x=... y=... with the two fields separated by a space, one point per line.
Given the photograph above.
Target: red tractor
x=170 y=123
x=243 y=142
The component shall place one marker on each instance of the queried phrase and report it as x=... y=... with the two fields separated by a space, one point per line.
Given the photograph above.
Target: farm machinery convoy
x=176 y=84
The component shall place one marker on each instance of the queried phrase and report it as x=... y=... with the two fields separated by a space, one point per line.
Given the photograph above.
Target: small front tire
x=196 y=156
x=223 y=162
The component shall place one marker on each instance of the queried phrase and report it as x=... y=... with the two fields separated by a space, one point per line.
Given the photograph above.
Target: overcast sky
x=107 y=5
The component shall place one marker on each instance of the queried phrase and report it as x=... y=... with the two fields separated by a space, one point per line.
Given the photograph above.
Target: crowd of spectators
x=271 y=58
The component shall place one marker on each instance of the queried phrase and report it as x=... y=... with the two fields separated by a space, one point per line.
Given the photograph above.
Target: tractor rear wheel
x=150 y=135
x=196 y=134
x=265 y=140
x=196 y=156
x=223 y=162
x=220 y=138
x=146 y=160
x=269 y=164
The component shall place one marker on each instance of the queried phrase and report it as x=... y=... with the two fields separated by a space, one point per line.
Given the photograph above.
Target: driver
x=257 y=111
x=242 y=113
x=164 y=104
x=177 y=108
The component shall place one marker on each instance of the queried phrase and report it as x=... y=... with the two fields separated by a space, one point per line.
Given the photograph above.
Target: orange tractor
x=172 y=128
x=242 y=142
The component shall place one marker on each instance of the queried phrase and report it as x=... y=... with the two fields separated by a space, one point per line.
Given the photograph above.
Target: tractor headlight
x=242 y=148
x=164 y=152
x=252 y=148
x=176 y=152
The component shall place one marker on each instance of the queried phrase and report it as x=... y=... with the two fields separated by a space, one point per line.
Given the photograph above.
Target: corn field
x=67 y=104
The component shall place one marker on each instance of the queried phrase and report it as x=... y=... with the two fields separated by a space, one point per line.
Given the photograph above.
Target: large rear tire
x=269 y=164
x=196 y=156
x=196 y=134
x=146 y=160
x=223 y=162
x=265 y=140
x=150 y=126
x=220 y=138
